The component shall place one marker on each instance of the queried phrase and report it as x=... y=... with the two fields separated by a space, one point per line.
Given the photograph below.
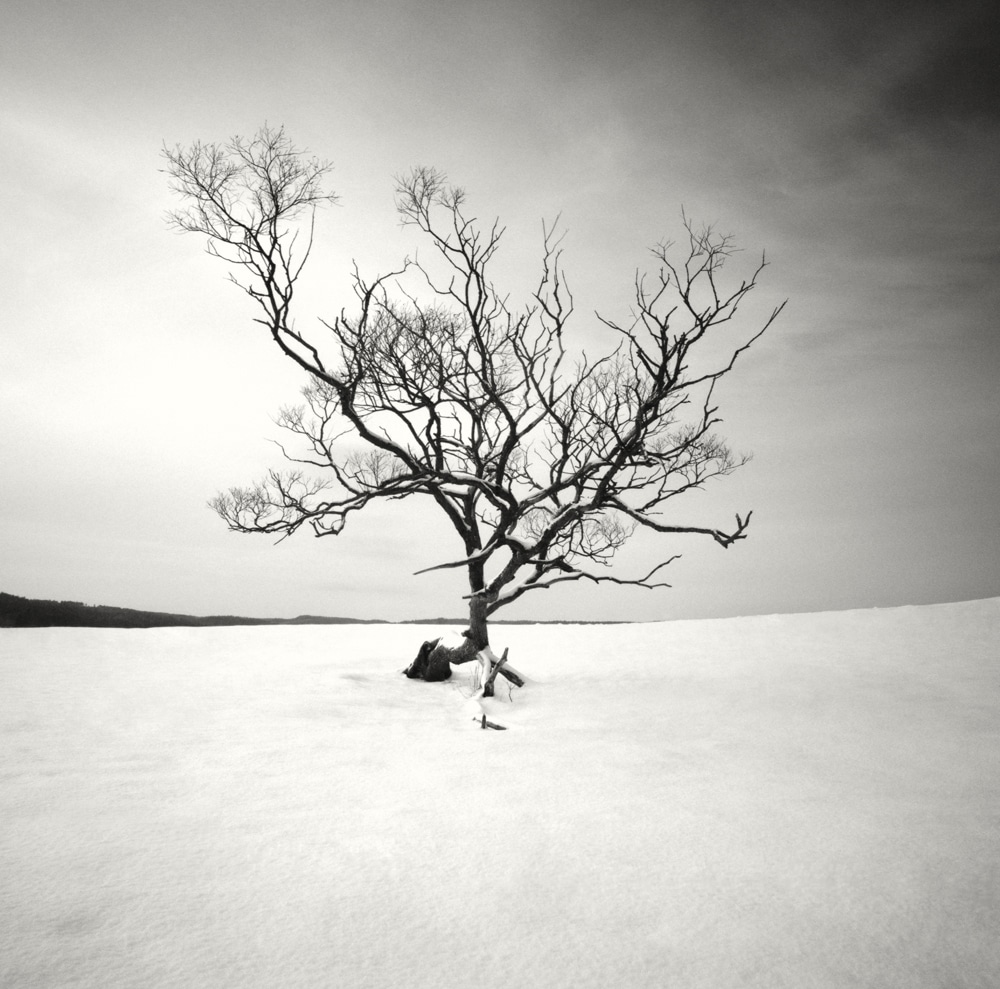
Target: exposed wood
x=431 y=663
x=512 y=675
x=488 y=682
x=485 y=672
x=506 y=671
x=484 y=724
x=434 y=660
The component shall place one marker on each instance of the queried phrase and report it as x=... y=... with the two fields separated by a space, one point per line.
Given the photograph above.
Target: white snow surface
x=787 y=801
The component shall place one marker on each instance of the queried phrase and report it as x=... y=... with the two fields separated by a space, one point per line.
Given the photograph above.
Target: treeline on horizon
x=19 y=612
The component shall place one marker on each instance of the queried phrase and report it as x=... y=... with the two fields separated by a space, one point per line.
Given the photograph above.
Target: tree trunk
x=477 y=634
x=478 y=631
x=434 y=660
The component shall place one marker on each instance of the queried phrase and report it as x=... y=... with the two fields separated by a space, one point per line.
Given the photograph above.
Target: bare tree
x=435 y=386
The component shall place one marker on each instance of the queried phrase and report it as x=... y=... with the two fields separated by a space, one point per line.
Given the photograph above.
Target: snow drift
x=786 y=801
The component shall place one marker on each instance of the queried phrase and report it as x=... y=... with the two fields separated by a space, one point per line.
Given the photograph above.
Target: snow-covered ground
x=790 y=801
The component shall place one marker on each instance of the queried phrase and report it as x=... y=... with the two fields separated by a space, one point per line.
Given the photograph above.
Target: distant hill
x=18 y=612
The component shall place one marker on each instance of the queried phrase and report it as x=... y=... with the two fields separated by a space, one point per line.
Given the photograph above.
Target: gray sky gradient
x=857 y=145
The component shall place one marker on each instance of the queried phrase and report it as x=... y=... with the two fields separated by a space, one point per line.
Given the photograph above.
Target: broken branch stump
x=506 y=671
x=497 y=666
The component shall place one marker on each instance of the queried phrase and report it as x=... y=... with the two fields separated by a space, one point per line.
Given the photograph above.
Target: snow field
x=784 y=801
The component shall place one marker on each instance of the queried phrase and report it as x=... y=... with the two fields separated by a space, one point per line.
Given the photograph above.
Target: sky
x=857 y=146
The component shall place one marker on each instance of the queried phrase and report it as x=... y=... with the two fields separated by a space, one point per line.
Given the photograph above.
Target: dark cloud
x=899 y=67
x=958 y=79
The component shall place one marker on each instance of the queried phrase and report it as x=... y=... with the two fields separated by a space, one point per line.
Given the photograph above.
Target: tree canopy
x=433 y=384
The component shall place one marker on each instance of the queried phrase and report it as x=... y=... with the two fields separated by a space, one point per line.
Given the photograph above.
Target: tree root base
x=433 y=663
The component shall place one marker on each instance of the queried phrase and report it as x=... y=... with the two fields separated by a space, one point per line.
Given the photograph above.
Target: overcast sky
x=857 y=145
